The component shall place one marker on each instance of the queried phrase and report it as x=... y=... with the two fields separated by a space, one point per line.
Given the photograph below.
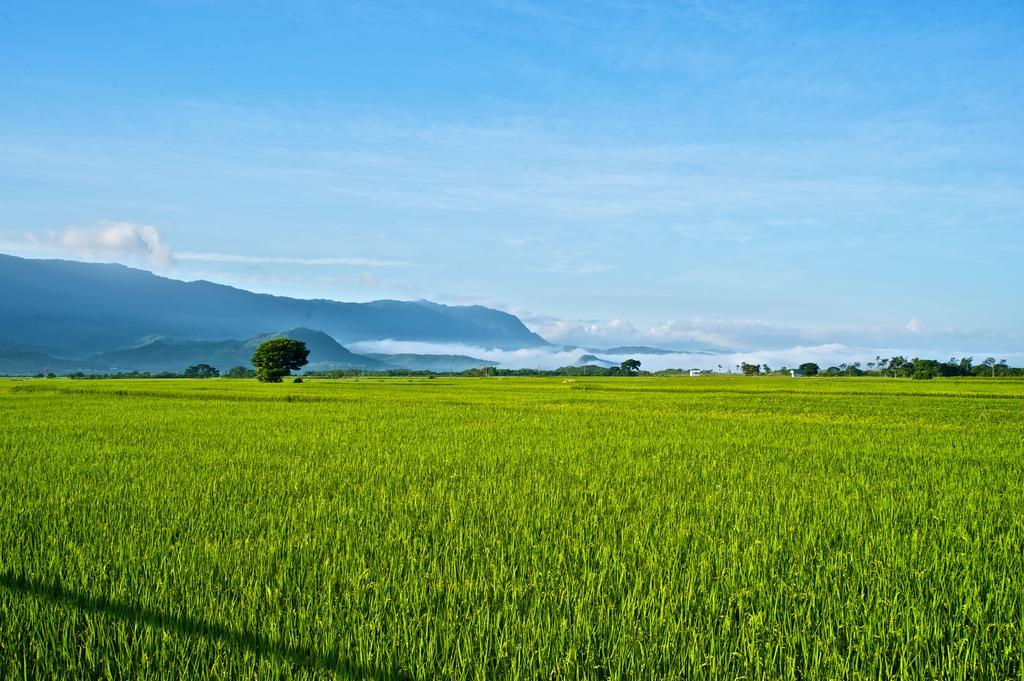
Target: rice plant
x=636 y=528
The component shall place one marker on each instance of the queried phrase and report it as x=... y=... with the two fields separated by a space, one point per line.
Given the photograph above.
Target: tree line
x=278 y=357
x=274 y=359
x=896 y=367
x=195 y=371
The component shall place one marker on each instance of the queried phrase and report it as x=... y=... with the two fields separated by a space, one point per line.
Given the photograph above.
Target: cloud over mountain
x=107 y=240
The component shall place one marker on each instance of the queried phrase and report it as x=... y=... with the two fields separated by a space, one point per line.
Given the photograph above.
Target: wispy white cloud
x=536 y=171
x=559 y=260
x=369 y=280
x=573 y=264
x=141 y=244
x=284 y=260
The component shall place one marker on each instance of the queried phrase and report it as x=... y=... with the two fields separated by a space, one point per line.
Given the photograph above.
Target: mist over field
x=830 y=354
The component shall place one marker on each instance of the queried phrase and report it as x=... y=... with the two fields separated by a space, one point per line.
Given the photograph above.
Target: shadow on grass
x=251 y=641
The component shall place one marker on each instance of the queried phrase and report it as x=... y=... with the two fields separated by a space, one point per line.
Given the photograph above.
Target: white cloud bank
x=107 y=240
x=828 y=354
x=697 y=333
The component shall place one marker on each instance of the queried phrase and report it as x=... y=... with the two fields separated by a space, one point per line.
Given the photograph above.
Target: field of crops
x=631 y=528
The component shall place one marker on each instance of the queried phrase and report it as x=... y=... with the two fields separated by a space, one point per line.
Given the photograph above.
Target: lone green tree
x=278 y=357
x=630 y=366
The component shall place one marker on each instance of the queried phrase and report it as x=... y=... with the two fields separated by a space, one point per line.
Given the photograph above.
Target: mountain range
x=83 y=308
x=58 y=315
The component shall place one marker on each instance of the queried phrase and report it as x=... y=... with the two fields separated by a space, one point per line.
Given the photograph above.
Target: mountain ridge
x=76 y=310
x=439 y=363
x=169 y=354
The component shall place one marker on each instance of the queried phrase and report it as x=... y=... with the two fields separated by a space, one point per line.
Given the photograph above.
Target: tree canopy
x=750 y=369
x=630 y=366
x=278 y=357
x=809 y=368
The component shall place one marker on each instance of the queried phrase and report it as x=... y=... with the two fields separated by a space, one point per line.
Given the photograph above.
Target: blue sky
x=689 y=174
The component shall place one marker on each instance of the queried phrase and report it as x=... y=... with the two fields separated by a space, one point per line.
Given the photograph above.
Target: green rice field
x=625 y=528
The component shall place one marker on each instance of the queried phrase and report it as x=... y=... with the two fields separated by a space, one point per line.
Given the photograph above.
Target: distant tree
x=750 y=369
x=900 y=366
x=990 y=363
x=201 y=371
x=809 y=369
x=925 y=369
x=630 y=366
x=765 y=368
x=240 y=372
x=278 y=357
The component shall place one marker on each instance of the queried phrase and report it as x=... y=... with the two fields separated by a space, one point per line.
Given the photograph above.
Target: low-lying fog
x=829 y=354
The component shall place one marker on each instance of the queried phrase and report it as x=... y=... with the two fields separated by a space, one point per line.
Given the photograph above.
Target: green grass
x=512 y=528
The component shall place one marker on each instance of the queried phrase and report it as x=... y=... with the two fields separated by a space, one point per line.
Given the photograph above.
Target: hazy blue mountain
x=18 y=362
x=75 y=309
x=645 y=350
x=168 y=354
x=433 y=362
x=593 y=360
x=633 y=350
